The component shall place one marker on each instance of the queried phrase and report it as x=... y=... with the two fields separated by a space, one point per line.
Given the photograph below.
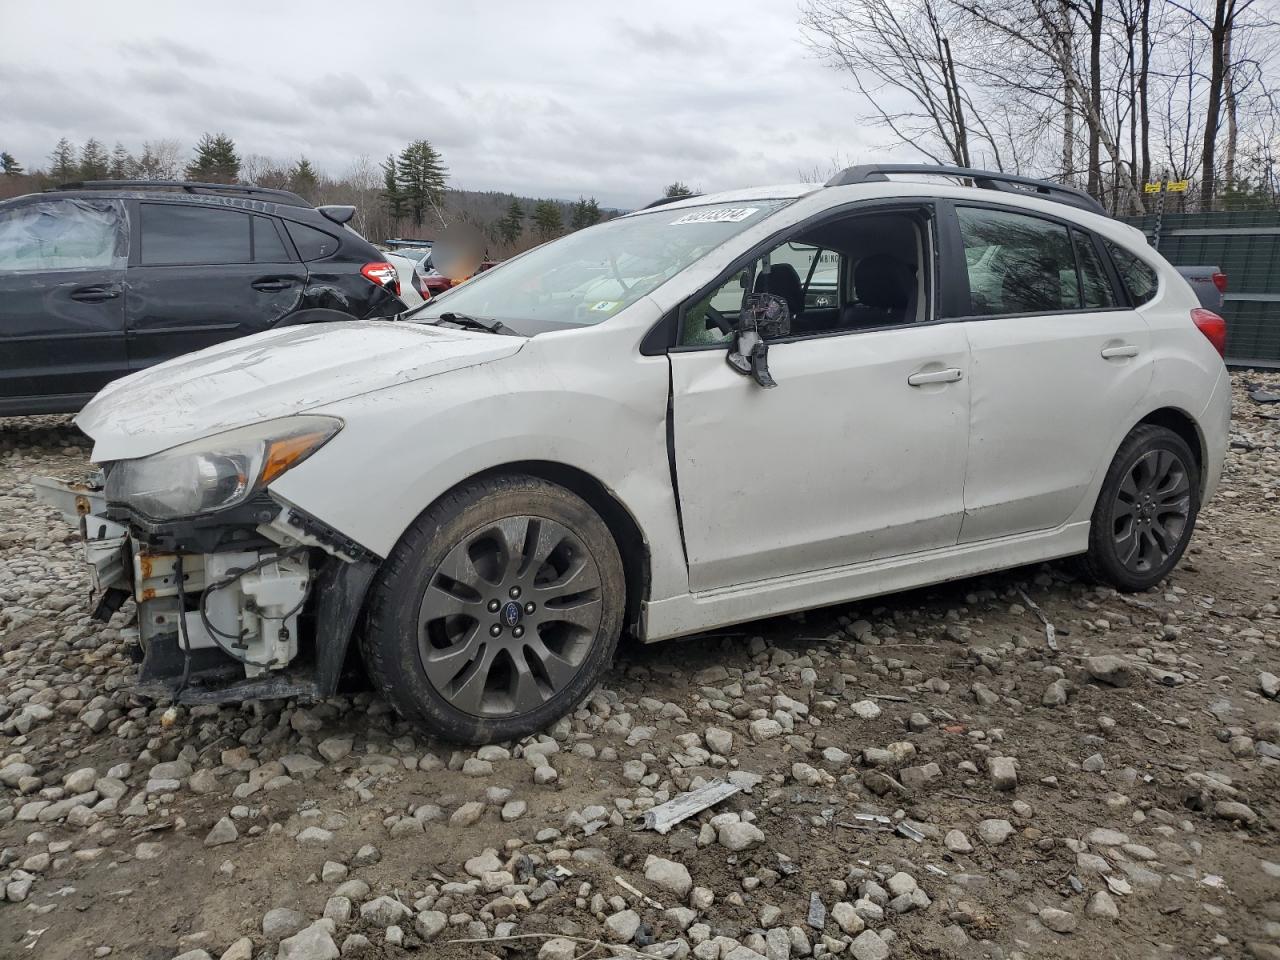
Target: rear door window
x=267 y=245
x=1095 y=285
x=312 y=244
x=175 y=234
x=64 y=234
x=1017 y=263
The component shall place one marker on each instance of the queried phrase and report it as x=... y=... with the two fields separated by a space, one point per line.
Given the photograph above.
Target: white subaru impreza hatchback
x=711 y=410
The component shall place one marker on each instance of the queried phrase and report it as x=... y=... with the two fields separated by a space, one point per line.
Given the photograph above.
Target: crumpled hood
x=274 y=374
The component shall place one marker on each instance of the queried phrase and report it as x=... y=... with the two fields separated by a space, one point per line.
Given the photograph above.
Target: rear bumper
x=1215 y=426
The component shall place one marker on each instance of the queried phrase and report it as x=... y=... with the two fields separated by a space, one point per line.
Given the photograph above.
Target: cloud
x=556 y=99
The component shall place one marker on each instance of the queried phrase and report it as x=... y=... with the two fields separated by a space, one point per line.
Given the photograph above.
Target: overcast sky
x=554 y=98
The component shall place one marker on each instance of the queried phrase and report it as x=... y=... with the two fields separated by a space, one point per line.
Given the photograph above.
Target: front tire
x=1146 y=510
x=498 y=610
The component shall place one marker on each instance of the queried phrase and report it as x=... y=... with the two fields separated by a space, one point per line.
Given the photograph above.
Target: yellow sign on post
x=1152 y=187
x=1178 y=186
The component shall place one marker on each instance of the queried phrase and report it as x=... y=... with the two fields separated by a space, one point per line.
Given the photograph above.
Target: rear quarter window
x=1139 y=279
x=312 y=244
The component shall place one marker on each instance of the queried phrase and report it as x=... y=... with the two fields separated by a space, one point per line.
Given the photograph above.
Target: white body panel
x=843 y=482
x=814 y=474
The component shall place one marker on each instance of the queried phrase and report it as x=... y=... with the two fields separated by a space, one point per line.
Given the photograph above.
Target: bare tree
x=899 y=56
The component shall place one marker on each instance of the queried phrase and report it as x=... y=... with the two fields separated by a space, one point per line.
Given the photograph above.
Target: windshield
x=587 y=277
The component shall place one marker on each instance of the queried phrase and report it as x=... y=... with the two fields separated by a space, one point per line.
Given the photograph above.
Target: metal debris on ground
x=1050 y=634
x=666 y=815
x=1264 y=396
x=637 y=893
x=911 y=833
x=868 y=821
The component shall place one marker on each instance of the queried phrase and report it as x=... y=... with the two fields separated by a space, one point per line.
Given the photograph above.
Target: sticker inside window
x=727 y=215
x=606 y=305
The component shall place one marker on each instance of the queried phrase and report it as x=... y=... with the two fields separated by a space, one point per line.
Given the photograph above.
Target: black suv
x=103 y=278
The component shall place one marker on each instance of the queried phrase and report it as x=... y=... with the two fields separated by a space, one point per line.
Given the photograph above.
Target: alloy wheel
x=1151 y=510
x=509 y=616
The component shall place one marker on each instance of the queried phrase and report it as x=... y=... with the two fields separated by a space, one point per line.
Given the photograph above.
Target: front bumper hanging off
x=261 y=604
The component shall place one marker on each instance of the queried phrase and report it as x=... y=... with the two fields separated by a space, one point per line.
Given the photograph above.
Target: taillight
x=1213 y=327
x=383 y=274
x=1220 y=281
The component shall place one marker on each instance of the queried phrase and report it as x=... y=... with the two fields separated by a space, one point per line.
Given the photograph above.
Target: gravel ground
x=1116 y=797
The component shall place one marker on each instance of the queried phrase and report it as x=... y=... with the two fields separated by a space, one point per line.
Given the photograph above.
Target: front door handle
x=1120 y=352
x=949 y=375
x=271 y=285
x=95 y=294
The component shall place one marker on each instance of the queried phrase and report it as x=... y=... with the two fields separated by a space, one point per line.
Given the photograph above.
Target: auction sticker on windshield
x=727 y=215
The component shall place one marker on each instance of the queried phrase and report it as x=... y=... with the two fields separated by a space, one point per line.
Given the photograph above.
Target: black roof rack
x=242 y=189
x=986 y=179
x=663 y=201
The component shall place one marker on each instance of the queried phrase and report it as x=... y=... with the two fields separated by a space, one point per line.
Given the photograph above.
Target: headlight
x=216 y=472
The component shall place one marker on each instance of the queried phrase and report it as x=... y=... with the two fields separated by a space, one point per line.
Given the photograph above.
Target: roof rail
x=663 y=201
x=986 y=179
x=243 y=189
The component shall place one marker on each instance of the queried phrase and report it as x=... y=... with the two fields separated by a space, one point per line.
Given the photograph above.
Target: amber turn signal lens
x=286 y=453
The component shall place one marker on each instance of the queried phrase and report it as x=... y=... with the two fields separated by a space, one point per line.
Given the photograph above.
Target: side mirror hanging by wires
x=763 y=315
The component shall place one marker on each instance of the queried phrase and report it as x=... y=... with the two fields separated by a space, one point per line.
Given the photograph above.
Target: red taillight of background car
x=1220 y=281
x=383 y=274
x=1213 y=327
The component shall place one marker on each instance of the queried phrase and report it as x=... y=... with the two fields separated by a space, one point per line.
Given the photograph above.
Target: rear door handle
x=1120 y=352
x=949 y=375
x=272 y=284
x=95 y=294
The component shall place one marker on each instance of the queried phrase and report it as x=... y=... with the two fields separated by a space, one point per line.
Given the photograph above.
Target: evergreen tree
x=62 y=162
x=511 y=226
x=303 y=178
x=546 y=219
x=420 y=177
x=122 y=163
x=584 y=213
x=391 y=196
x=94 y=163
x=678 y=189
x=9 y=166
x=216 y=160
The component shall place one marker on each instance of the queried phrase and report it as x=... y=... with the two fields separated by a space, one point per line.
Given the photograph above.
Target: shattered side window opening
x=591 y=275
x=64 y=234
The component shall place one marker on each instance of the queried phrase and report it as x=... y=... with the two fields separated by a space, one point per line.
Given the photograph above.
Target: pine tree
x=122 y=163
x=216 y=160
x=391 y=197
x=303 y=178
x=62 y=162
x=678 y=189
x=546 y=218
x=9 y=166
x=585 y=213
x=94 y=163
x=511 y=226
x=420 y=177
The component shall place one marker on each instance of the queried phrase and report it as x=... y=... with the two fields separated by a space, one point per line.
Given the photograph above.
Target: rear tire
x=497 y=612
x=1146 y=510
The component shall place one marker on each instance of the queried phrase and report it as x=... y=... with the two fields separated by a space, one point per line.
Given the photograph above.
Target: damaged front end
x=251 y=599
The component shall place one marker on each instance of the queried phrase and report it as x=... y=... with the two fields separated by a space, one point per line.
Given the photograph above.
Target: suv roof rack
x=985 y=179
x=243 y=189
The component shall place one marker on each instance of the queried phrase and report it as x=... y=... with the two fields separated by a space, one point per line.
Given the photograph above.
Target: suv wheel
x=497 y=611
x=1145 y=512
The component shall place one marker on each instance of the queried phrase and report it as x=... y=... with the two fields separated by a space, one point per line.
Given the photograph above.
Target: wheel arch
x=626 y=532
x=1185 y=426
